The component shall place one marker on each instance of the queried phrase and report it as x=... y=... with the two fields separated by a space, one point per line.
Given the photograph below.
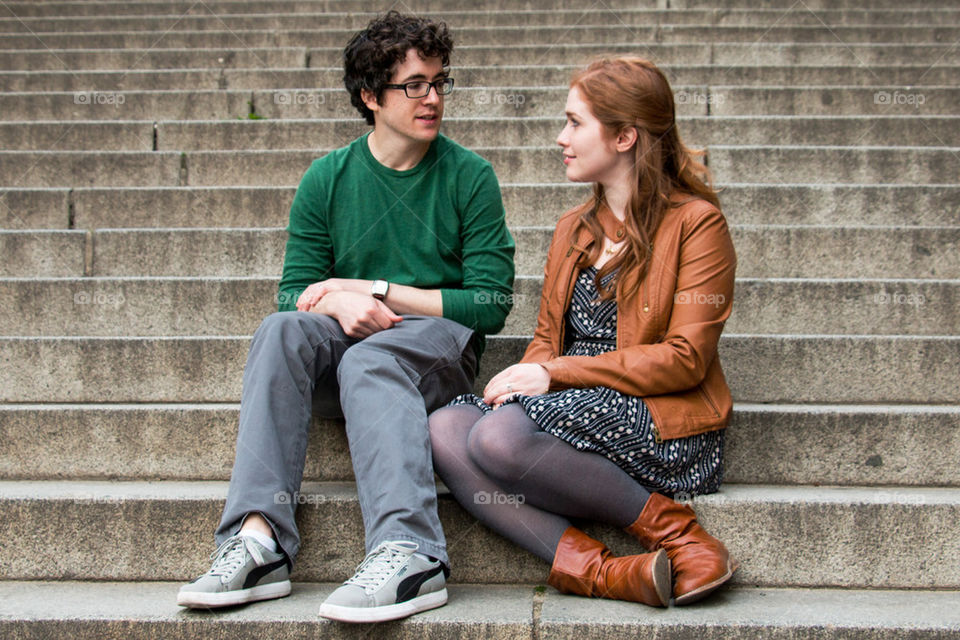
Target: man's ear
x=370 y=100
x=626 y=139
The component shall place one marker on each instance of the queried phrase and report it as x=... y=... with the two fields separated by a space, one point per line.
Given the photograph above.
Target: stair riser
x=758 y=368
x=111 y=307
x=288 y=134
x=270 y=206
x=466 y=76
x=764 y=445
x=769 y=165
x=779 y=542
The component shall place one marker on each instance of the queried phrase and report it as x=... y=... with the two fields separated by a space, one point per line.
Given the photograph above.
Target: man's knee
x=292 y=326
x=365 y=359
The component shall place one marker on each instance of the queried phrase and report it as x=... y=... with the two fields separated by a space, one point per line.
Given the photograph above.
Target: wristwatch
x=379 y=289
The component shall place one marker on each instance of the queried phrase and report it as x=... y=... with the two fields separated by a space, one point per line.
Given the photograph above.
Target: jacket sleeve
x=701 y=304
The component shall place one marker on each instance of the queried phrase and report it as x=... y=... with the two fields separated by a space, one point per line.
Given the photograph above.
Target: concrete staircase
x=149 y=152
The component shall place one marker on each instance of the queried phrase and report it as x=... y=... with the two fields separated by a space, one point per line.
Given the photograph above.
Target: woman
x=619 y=400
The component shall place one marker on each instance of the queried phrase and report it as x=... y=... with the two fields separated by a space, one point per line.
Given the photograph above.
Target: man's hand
x=359 y=314
x=518 y=379
x=315 y=292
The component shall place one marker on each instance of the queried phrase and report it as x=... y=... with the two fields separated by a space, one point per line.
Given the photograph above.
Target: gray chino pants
x=384 y=386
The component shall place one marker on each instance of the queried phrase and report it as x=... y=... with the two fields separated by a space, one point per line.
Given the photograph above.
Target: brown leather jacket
x=667 y=332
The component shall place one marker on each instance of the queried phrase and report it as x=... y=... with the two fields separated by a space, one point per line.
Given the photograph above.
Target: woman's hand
x=518 y=379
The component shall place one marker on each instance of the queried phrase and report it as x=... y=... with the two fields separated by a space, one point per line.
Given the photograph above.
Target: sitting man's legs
x=291 y=355
x=389 y=382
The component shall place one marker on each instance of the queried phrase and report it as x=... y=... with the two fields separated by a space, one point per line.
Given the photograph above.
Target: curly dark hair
x=371 y=54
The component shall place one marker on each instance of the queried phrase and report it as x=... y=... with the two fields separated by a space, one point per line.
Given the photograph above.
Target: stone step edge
x=467 y=67
x=823 y=186
x=340 y=89
x=515 y=610
x=756 y=407
x=509 y=148
x=119 y=280
x=946 y=47
x=99 y=491
x=503 y=337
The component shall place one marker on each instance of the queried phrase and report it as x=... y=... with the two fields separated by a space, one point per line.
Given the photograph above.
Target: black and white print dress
x=616 y=425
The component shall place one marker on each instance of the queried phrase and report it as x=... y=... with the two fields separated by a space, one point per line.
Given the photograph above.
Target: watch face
x=379 y=289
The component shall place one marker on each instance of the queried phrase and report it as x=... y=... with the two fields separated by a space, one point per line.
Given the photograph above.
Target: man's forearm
x=407 y=300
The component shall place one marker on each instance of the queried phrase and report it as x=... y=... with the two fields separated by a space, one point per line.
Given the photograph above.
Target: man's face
x=416 y=119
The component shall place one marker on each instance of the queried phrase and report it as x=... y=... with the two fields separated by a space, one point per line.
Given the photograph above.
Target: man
x=398 y=262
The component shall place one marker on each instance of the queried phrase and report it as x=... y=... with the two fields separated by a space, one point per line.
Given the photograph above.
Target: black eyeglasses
x=421 y=88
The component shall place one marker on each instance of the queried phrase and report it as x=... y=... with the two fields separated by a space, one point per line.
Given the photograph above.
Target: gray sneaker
x=390 y=583
x=243 y=571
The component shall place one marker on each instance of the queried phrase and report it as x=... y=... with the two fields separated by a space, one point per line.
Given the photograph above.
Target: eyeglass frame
x=436 y=84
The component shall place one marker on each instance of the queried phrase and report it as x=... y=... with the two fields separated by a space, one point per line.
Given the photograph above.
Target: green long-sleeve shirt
x=439 y=225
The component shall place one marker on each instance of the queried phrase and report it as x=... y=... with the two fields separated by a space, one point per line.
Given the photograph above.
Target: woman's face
x=589 y=154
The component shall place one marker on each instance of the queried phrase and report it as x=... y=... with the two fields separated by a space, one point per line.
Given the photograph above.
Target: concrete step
x=512 y=102
x=471 y=76
x=43 y=254
x=147 y=610
x=235 y=306
x=759 y=368
x=123 y=59
x=755 y=163
x=534 y=54
x=777 y=533
x=765 y=444
x=296 y=31
x=763 y=252
x=107 y=16
x=138 y=135
x=817 y=204
x=90 y=168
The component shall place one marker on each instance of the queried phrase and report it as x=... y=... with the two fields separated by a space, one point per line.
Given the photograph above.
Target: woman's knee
x=499 y=447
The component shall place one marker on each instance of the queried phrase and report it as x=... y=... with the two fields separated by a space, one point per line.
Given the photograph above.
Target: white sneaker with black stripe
x=392 y=582
x=243 y=571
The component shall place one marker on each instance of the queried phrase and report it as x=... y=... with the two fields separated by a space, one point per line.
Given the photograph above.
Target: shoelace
x=231 y=555
x=377 y=567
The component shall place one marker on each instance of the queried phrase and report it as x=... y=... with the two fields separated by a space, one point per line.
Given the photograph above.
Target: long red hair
x=629 y=92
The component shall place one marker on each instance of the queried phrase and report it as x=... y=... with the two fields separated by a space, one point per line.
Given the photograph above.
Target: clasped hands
x=350 y=303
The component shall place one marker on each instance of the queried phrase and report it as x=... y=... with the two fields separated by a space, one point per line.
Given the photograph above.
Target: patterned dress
x=613 y=424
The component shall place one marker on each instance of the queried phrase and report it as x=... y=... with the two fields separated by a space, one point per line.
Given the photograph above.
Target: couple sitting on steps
x=399 y=262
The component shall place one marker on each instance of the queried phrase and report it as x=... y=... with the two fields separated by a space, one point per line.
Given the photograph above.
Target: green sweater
x=439 y=225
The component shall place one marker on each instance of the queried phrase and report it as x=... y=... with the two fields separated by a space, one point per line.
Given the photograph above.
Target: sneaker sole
x=386 y=612
x=227 y=598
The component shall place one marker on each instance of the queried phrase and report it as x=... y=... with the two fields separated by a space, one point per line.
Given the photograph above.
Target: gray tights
x=525 y=483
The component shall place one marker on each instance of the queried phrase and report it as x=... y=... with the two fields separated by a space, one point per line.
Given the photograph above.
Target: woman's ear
x=626 y=139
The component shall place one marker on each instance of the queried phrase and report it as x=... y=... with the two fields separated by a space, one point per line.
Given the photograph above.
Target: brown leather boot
x=586 y=567
x=700 y=562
